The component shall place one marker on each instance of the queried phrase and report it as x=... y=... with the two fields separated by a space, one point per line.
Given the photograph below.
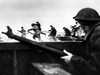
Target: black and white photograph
x=49 y=37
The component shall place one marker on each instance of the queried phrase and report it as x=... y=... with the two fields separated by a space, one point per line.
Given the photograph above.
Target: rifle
x=33 y=43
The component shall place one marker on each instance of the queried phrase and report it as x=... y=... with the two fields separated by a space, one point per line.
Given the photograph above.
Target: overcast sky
x=59 y=13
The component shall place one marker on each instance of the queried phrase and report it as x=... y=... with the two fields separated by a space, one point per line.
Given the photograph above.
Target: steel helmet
x=88 y=14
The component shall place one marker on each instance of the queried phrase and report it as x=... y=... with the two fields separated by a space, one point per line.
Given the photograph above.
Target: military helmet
x=88 y=14
x=33 y=24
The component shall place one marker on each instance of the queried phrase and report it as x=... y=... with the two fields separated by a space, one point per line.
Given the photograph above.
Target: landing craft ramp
x=21 y=59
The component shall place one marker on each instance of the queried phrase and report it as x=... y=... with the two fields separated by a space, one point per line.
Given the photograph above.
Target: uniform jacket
x=90 y=64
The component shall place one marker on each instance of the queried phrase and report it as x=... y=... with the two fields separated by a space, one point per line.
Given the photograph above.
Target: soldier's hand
x=68 y=57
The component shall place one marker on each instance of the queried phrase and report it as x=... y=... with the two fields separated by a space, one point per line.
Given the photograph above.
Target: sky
x=59 y=13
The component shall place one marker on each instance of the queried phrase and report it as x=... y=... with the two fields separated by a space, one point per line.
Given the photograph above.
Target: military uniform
x=89 y=64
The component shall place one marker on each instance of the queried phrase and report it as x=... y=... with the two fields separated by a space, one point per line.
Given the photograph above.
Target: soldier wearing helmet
x=67 y=31
x=88 y=62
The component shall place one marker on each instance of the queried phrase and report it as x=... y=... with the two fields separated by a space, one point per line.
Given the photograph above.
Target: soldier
x=39 y=27
x=36 y=33
x=23 y=32
x=67 y=31
x=75 y=29
x=36 y=27
x=89 y=63
x=52 y=32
